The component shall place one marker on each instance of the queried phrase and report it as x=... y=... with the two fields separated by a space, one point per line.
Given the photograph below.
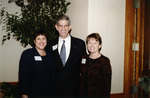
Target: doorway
x=137 y=63
x=144 y=72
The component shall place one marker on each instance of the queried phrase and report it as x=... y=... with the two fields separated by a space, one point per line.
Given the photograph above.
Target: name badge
x=83 y=61
x=37 y=58
x=55 y=47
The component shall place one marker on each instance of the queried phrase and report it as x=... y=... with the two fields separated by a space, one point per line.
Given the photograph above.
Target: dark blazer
x=67 y=78
x=36 y=77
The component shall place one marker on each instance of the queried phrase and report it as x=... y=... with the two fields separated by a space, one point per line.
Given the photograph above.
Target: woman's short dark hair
x=96 y=36
x=40 y=32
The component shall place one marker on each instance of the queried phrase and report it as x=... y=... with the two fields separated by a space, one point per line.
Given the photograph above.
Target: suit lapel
x=56 y=54
x=71 y=51
x=71 y=55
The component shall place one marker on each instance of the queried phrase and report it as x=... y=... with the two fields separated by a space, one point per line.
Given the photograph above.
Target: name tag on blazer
x=54 y=47
x=37 y=58
x=83 y=61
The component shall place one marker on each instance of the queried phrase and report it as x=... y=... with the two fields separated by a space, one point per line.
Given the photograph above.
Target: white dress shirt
x=67 y=45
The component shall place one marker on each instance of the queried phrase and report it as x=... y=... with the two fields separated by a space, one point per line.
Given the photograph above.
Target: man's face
x=63 y=28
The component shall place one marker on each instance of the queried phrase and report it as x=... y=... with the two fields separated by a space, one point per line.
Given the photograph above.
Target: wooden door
x=137 y=64
x=144 y=71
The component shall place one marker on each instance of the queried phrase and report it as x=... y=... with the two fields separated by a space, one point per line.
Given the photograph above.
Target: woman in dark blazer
x=36 y=70
x=95 y=70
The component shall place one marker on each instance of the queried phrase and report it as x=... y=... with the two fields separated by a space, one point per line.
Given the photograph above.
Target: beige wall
x=78 y=12
x=107 y=17
x=9 y=52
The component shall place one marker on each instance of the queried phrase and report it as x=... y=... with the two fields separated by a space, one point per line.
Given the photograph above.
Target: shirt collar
x=66 y=39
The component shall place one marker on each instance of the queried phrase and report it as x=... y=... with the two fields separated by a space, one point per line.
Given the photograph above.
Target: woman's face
x=93 y=46
x=40 y=42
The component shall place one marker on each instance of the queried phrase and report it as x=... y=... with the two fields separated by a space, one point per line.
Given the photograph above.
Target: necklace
x=42 y=53
x=92 y=56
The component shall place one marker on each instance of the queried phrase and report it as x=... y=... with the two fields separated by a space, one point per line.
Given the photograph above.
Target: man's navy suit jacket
x=67 y=78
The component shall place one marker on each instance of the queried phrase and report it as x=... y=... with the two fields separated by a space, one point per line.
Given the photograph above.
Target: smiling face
x=40 y=42
x=63 y=28
x=93 y=46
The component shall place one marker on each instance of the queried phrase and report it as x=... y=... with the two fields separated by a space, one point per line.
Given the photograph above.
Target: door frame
x=131 y=76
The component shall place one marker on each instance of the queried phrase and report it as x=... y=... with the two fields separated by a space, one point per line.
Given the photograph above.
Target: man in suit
x=67 y=74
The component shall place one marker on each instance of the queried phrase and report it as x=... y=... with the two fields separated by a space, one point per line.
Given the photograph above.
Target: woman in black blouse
x=36 y=70
x=95 y=70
